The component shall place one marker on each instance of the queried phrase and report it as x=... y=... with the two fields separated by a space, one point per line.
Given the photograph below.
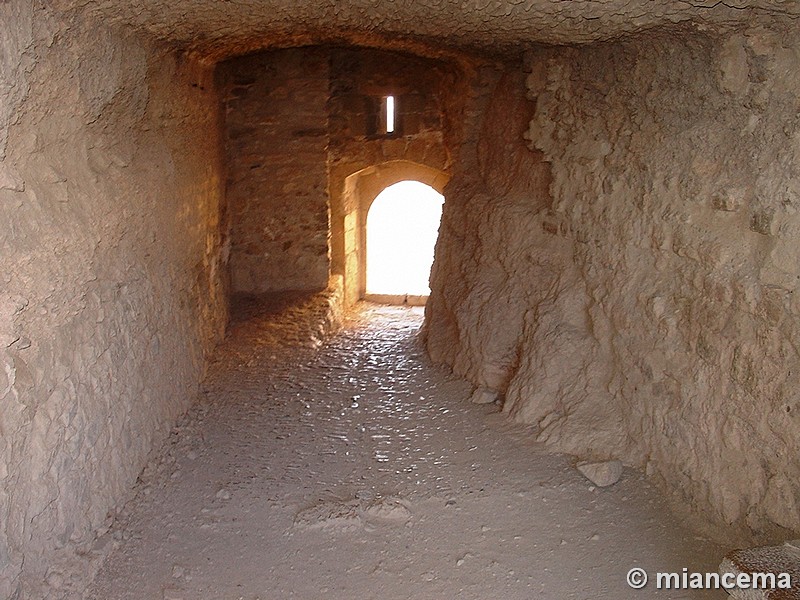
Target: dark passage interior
x=185 y=192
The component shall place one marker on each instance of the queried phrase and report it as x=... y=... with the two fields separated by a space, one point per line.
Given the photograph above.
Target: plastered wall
x=111 y=285
x=630 y=283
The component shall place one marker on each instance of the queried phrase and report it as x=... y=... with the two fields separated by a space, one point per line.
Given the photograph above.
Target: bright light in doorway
x=402 y=227
x=389 y=114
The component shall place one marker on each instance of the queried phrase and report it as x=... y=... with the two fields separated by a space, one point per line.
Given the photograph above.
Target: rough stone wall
x=298 y=123
x=217 y=28
x=111 y=289
x=479 y=292
x=635 y=297
x=360 y=78
x=276 y=138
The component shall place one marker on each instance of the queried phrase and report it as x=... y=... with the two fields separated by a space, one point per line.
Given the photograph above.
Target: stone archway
x=402 y=227
x=360 y=190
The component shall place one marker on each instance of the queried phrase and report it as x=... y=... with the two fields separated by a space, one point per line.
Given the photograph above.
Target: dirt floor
x=353 y=468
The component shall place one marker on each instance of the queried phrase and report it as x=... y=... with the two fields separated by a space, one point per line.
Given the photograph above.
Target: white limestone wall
x=111 y=286
x=632 y=291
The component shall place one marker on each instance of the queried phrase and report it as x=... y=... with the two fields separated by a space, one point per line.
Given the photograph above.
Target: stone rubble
x=484 y=395
x=602 y=474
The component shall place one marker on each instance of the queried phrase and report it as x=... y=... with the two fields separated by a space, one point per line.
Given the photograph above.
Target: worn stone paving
x=351 y=467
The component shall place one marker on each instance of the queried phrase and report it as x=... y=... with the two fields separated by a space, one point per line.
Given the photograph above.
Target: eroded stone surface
x=638 y=300
x=110 y=277
x=223 y=28
x=361 y=470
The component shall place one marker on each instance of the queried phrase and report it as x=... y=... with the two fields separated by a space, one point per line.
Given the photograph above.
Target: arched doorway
x=349 y=216
x=402 y=227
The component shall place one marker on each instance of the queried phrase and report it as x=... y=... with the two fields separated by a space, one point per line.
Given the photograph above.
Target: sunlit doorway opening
x=402 y=227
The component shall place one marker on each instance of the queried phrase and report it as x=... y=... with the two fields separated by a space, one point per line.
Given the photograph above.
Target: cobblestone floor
x=352 y=468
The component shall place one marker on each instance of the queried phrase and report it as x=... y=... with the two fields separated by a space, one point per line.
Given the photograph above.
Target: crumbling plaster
x=111 y=277
x=633 y=291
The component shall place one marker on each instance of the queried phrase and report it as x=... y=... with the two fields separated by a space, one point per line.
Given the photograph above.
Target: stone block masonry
x=277 y=188
x=298 y=123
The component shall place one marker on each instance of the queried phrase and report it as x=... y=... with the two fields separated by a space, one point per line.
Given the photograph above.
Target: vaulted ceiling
x=217 y=29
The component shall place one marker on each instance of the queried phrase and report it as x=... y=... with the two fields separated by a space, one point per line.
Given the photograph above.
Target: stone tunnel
x=185 y=186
